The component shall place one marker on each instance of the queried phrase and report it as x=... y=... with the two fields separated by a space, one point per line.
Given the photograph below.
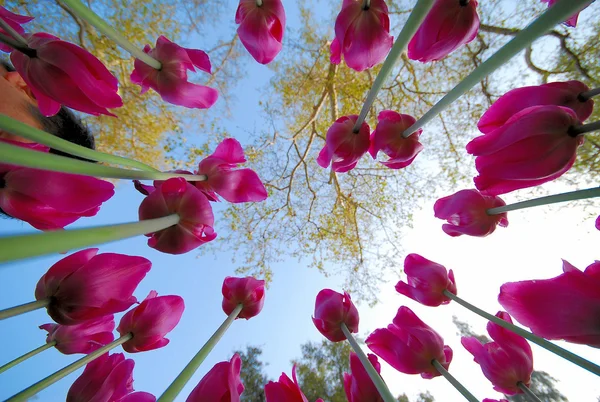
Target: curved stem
x=382 y=388
x=10 y=30
x=26 y=356
x=459 y=387
x=551 y=17
x=177 y=385
x=550 y=199
x=530 y=395
x=94 y=19
x=557 y=350
x=585 y=96
x=584 y=128
x=23 y=308
x=51 y=379
x=18 y=247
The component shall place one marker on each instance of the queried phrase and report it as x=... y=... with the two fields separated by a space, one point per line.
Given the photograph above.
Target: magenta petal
x=139 y=397
x=242 y=185
x=230 y=150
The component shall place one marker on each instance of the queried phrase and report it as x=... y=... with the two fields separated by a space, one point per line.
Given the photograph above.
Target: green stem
x=15 y=155
x=16 y=36
x=557 y=350
x=177 y=385
x=18 y=247
x=585 y=96
x=382 y=388
x=26 y=356
x=459 y=387
x=408 y=30
x=23 y=130
x=15 y=45
x=551 y=17
x=51 y=379
x=584 y=128
x=23 y=308
x=550 y=199
x=530 y=395
x=94 y=19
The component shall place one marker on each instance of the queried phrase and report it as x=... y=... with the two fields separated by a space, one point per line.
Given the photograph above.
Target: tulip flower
x=388 y=138
x=171 y=81
x=449 y=25
x=426 y=281
x=248 y=291
x=15 y=21
x=221 y=384
x=409 y=345
x=358 y=386
x=465 y=212
x=598 y=222
x=149 y=322
x=572 y=21
x=196 y=219
x=333 y=309
x=261 y=27
x=87 y=285
x=285 y=390
x=234 y=185
x=565 y=307
x=343 y=147
x=507 y=361
x=61 y=73
x=533 y=147
x=81 y=338
x=138 y=397
x=362 y=34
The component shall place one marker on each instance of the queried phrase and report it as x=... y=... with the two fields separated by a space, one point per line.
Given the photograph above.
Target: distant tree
x=253 y=376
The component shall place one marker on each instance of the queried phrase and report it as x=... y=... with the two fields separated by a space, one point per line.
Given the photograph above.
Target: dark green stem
x=530 y=395
x=587 y=95
x=26 y=356
x=584 y=128
x=23 y=308
x=459 y=387
x=14 y=34
x=550 y=199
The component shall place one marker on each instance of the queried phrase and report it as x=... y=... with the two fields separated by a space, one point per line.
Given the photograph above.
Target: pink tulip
x=333 y=309
x=247 y=291
x=234 y=185
x=221 y=384
x=261 y=28
x=598 y=222
x=87 y=285
x=61 y=73
x=565 y=307
x=387 y=137
x=426 y=281
x=149 y=322
x=506 y=362
x=358 y=386
x=81 y=338
x=15 y=21
x=171 y=81
x=196 y=219
x=533 y=147
x=409 y=345
x=285 y=390
x=343 y=148
x=449 y=25
x=362 y=34
x=138 y=397
x=572 y=21
x=465 y=212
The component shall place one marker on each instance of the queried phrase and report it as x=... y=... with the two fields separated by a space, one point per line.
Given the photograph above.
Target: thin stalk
x=530 y=395
x=23 y=130
x=459 y=387
x=585 y=96
x=18 y=247
x=51 y=379
x=366 y=4
x=584 y=128
x=26 y=356
x=15 y=155
x=11 y=31
x=408 y=30
x=557 y=350
x=23 y=308
x=259 y=3
x=551 y=17
x=382 y=388
x=94 y=19
x=177 y=385
x=547 y=200
x=15 y=44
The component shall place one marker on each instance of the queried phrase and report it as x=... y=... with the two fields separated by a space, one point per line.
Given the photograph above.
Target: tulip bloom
x=15 y=21
x=261 y=28
x=565 y=307
x=138 y=397
x=196 y=219
x=505 y=362
x=449 y=25
x=248 y=291
x=86 y=285
x=533 y=147
x=572 y=21
x=362 y=34
x=388 y=138
x=149 y=322
x=358 y=386
x=333 y=309
x=409 y=345
x=81 y=338
x=234 y=185
x=285 y=390
x=343 y=147
x=598 y=222
x=426 y=281
x=171 y=81
x=221 y=384
x=465 y=212
x=61 y=73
